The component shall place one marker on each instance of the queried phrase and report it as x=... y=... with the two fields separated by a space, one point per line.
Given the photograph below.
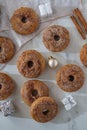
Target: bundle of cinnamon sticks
x=80 y=22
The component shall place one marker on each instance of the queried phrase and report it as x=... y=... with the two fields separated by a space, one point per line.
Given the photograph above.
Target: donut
x=7 y=86
x=7 y=49
x=32 y=90
x=70 y=78
x=83 y=55
x=25 y=20
x=44 y=109
x=31 y=64
x=56 y=38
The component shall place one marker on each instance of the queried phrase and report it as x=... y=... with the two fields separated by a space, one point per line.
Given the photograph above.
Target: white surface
x=74 y=120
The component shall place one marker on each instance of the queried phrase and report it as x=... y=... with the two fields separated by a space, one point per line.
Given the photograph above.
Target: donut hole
x=30 y=64
x=0 y=49
x=24 y=19
x=56 y=37
x=34 y=92
x=71 y=77
x=45 y=112
x=0 y=86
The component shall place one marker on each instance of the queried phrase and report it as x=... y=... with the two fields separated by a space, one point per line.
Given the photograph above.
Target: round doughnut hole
x=24 y=19
x=0 y=86
x=0 y=49
x=71 y=78
x=34 y=92
x=45 y=112
x=30 y=64
x=56 y=37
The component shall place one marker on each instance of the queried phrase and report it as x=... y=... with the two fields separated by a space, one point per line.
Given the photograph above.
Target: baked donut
x=25 y=20
x=70 y=78
x=7 y=86
x=56 y=38
x=32 y=90
x=31 y=63
x=83 y=55
x=44 y=109
x=7 y=49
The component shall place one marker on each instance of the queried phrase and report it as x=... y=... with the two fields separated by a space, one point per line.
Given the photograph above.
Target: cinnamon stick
x=81 y=18
x=78 y=27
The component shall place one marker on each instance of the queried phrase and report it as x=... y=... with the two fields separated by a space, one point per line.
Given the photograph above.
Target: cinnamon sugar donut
x=32 y=90
x=56 y=38
x=25 y=20
x=83 y=55
x=44 y=109
x=31 y=63
x=70 y=78
x=6 y=86
x=7 y=49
